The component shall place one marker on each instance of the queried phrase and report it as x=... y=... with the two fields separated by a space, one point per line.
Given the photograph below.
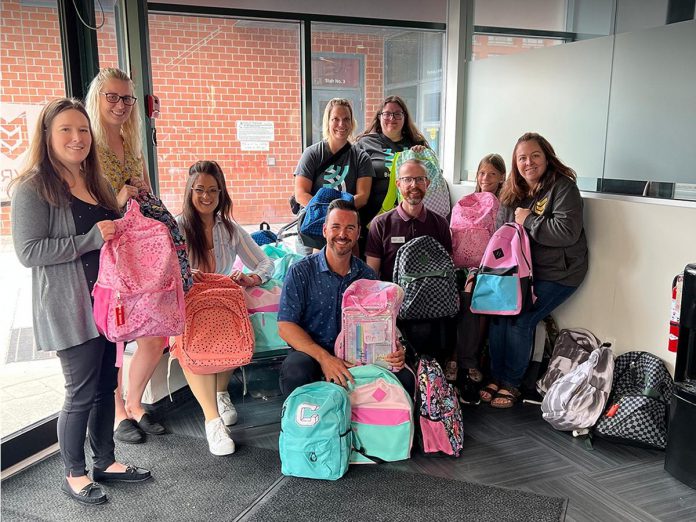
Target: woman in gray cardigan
x=62 y=212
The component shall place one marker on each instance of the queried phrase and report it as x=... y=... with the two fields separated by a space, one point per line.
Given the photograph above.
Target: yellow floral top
x=115 y=172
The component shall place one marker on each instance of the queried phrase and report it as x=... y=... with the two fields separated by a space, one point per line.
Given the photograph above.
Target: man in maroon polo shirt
x=407 y=221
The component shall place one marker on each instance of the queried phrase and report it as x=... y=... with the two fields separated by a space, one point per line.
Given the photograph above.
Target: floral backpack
x=440 y=418
x=138 y=292
x=152 y=207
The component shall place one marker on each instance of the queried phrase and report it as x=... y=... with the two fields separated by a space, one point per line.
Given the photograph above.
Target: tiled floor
x=515 y=449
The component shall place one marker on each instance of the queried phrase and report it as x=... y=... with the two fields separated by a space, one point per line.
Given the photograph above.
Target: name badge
x=398 y=239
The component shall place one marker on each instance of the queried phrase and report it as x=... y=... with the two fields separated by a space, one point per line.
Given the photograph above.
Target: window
x=229 y=91
x=394 y=61
x=31 y=73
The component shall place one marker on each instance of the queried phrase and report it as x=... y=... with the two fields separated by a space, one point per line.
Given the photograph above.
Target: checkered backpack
x=639 y=403
x=425 y=271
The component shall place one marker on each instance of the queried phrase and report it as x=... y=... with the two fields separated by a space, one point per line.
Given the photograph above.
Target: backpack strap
x=340 y=152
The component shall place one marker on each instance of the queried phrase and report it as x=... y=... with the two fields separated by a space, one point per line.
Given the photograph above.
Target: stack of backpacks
x=624 y=400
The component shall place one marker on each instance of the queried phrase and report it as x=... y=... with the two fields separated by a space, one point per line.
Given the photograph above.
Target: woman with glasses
x=62 y=213
x=116 y=120
x=542 y=195
x=335 y=162
x=214 y=240
x=392 y=130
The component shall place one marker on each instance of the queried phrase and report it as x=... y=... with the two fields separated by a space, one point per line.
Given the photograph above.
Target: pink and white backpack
x=139 y=290
x=262 y=300
x=504 y=279
x=218 y=335
x=368 y=327
x=472 y=225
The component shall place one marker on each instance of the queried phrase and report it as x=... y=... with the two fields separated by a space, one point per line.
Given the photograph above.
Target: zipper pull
x=119 y=312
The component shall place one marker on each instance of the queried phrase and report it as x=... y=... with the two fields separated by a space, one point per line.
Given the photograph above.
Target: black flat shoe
x=149 y=426
x=91 y=494
x=132 y=474
x=129 y=432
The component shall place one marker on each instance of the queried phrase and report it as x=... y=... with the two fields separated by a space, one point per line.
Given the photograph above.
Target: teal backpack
x=381 y=416
x=266 y=336
x=315 y=434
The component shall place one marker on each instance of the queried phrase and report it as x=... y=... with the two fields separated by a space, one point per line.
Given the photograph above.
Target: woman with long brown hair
x=542 y=195
x=62 y=213
x=214 y=240
x=392 y=130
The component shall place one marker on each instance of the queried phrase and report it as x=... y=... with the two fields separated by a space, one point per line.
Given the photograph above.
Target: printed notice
x=255 y=145
x=254 y=131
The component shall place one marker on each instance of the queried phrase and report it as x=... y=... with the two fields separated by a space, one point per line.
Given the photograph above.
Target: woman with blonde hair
x=116 y=119
x=335 y=162
x=62 y=213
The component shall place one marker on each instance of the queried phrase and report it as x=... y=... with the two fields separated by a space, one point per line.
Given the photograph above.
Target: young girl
x=116 y=120
x=62 y=212
x=214 y=240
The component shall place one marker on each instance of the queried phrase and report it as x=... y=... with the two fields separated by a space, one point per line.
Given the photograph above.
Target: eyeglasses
x=210 y=192
x=392 y=115
x=413 y=180
x=112 y=97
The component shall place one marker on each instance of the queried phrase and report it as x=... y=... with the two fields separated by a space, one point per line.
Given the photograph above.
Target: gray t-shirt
x=341 y=175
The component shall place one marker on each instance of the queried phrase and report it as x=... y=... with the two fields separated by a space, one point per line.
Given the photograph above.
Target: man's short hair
x=415 y=161
x=342 y=204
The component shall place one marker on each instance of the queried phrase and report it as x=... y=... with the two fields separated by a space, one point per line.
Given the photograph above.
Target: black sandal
x=491 y=389
x=507 y=397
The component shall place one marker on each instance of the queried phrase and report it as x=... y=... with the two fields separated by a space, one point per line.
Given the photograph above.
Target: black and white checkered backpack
x=639 y=404
x=424 y=269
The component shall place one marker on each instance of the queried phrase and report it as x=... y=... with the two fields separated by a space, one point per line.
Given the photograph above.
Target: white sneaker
x=226 y=409
x=219 y=441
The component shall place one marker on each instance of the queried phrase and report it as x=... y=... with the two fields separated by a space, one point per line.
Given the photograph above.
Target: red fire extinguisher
x=677 y=284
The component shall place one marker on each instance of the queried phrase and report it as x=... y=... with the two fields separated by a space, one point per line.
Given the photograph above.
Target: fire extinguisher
x=677 y=284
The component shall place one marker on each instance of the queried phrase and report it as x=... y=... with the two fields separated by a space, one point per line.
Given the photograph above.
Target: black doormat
x=189 y=484
x=376 y=493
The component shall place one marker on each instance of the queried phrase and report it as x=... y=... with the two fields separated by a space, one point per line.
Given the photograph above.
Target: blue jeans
x=511 y=338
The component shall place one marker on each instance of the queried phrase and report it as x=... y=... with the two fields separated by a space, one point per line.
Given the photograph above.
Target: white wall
x=636 y=249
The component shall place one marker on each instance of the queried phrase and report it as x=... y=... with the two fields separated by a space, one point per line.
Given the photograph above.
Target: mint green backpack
x=315 y=434
x=381 y=416
x=266 y=336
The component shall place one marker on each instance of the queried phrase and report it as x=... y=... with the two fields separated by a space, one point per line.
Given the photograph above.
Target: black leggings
x=90 y=380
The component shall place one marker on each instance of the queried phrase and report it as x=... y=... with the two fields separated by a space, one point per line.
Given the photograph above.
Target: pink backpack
x=504 y=279
x=139 y=290
x=218 y=335
x=368 y=327
x=262 y=300
x=472 y=225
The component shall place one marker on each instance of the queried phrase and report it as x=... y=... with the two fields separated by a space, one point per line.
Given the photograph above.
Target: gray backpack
x=576 y=400
x=572 y=347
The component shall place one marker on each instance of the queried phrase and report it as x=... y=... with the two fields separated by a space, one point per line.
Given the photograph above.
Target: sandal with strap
x=475 y=374
x=489 y=392
x=505 y=398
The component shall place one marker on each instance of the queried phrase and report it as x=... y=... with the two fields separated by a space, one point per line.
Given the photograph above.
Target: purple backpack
x=504 y=280
x=472 y=225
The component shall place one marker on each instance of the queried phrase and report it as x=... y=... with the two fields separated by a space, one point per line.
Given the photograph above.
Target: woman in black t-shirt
x=392 y=130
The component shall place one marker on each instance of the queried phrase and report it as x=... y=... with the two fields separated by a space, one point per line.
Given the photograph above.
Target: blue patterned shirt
x=312 y=296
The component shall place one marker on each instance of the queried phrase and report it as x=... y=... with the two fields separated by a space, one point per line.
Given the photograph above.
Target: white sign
x=255 y=145
x=255 y=131
x=17 y=122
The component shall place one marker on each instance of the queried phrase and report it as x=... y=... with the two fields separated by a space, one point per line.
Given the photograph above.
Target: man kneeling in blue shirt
x=309 y=318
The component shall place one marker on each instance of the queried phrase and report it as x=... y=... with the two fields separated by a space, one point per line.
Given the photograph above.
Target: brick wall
x=208 y=73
